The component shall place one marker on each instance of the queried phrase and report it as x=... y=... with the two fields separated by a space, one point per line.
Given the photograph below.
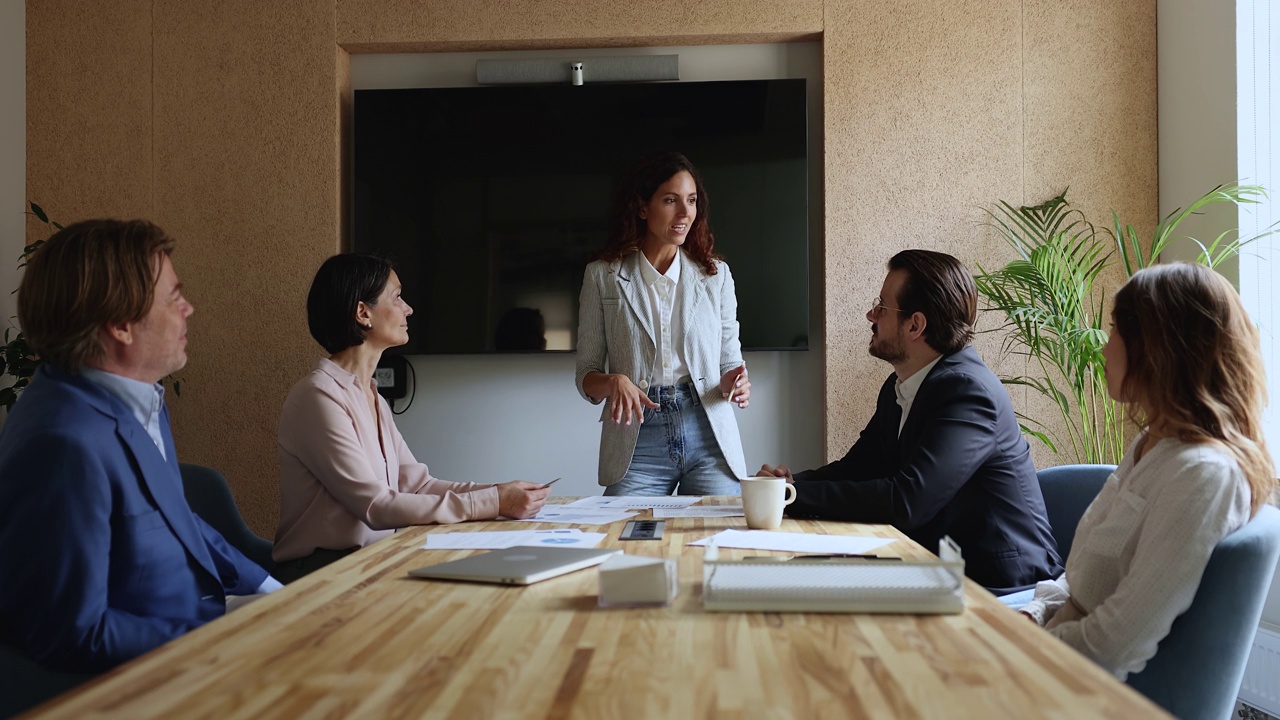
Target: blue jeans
x=676 y=450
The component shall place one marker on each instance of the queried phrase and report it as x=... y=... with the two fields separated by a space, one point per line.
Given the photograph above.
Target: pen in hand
x=553 y=482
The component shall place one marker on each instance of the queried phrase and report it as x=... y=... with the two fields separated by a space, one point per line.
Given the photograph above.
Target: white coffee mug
x=763 y=499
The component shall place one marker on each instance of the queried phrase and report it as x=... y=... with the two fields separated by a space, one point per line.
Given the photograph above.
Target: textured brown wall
x=224 y=122
x=923 y=123
x=88 y=109
x=246 y=176
x=935 y=109
x=465 y=25
x=1090 y=119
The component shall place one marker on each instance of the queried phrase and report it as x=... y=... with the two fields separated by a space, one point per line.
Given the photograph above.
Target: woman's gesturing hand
x=625 y=399
x=735 y=386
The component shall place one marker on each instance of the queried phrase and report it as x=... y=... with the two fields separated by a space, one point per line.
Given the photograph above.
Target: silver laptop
x=516 y=565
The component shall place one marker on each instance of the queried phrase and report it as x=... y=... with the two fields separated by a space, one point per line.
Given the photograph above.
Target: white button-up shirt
x=668 y=327
x=906 y=391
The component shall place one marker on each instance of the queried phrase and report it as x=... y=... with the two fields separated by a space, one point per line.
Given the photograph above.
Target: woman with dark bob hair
x=1183 y=356
x=658 y=341
x=347 y=478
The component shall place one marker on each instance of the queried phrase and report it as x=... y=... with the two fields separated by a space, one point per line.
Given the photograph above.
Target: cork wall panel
x=463 y=25
x=246 y=167
x=88 y=109
x=1090 y=111
x=923 y=126
x=1090 y=119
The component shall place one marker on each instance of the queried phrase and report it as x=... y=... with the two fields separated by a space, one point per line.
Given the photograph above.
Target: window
x=1259 y=164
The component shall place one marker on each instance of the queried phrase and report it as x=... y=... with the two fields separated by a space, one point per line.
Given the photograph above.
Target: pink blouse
x=340 y=487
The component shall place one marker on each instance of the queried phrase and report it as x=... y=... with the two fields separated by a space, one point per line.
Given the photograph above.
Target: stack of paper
x=635 y=502
x=579 y=515
x=794 y=542
x=711 y=511
x=505 y=539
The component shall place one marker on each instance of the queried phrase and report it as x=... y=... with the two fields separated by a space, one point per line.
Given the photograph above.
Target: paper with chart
x=499 y=540
x=795 y=542
x=635 y=502
x=703 y=511
x=579 y=516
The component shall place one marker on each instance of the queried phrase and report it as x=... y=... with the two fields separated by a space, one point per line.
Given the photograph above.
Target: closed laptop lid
x=518 y=565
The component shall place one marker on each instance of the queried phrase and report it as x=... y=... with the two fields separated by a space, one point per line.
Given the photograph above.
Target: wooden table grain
x=361 y=639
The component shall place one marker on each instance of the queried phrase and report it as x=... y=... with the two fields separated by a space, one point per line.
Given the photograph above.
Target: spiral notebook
x=841 y=585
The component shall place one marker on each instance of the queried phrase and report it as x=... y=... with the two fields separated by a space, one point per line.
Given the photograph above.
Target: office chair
x=210 y=497
x=1068 y=490
x=1198 y=667
x=25 y=684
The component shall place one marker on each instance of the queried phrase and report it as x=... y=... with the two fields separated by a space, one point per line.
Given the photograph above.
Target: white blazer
x=616 y=335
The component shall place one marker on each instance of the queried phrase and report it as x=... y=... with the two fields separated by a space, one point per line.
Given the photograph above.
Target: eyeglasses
x=878 y=307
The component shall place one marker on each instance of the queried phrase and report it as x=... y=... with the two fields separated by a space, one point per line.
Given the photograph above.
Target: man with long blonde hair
x=102 y=559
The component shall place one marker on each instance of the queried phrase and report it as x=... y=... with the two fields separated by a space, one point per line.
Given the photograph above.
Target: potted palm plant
x=1053 y=308
x=16 y=359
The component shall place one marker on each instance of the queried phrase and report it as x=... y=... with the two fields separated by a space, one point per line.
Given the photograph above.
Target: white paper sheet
x=569 y=537
x=795 y=542
x=579 y=516
x=635 y=502
x=699 y=511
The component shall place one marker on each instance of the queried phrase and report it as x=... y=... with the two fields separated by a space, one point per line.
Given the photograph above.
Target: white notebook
x=840 y=585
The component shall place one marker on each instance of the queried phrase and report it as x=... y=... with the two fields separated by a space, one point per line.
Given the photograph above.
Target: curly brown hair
x=1194 y=364
x=627 y=230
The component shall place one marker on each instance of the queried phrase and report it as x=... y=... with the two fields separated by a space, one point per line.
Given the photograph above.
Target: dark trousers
x=290 y=570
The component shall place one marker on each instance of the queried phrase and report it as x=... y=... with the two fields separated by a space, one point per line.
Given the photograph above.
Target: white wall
x=493 y=418
x=13 y=150
x=1197 y=119
x=1196 y=97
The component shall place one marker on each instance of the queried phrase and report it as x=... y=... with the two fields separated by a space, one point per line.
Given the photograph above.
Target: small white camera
x=577 y=73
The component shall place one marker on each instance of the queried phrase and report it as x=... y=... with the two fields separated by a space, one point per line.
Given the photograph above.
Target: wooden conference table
x=360 y=639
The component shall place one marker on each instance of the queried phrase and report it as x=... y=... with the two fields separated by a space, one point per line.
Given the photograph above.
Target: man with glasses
x=943 y=454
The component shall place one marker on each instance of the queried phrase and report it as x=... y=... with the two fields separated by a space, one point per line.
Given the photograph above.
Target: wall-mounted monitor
x=491 y=200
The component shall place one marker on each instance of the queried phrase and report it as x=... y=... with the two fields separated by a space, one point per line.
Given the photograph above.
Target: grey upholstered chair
x=1068 y=490
x=210 y=497
x=1197 y=669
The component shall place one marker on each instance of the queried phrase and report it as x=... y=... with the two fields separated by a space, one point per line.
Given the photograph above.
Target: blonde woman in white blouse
x=1183 y=356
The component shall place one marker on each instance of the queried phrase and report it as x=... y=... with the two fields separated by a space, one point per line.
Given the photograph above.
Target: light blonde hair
x=1194 y=364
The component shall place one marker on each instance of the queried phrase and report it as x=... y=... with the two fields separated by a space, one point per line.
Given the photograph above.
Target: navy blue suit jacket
x=101 y=558
x=960 y=467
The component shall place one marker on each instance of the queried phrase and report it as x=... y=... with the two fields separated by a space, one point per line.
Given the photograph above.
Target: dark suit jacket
x=101 y=558
x=961 y=468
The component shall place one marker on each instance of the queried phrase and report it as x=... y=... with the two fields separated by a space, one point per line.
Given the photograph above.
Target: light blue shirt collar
x=144 y=400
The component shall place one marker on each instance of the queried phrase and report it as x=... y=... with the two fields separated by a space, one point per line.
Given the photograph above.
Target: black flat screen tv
x=491 y=200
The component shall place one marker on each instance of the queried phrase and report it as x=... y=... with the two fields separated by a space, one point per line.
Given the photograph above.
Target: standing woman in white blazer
x=658 y=341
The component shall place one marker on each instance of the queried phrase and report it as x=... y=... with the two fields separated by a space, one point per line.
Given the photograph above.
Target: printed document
x=499 y=540
x=699 y=511
x=795 y=542
x=635 y=502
